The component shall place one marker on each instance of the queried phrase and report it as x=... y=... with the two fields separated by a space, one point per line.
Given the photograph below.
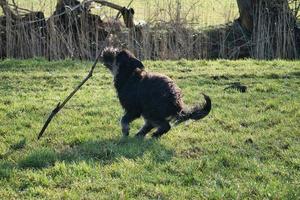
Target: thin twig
x=61 y=105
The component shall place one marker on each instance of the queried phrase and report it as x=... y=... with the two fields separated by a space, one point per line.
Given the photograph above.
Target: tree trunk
x=273 y=29
x=246 y=9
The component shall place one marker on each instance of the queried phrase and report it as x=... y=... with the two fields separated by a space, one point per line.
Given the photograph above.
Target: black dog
x=155 y=97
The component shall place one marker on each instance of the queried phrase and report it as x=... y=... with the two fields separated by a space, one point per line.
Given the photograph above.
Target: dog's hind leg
x=145 y=129
x=126 y=120
x=163 y=127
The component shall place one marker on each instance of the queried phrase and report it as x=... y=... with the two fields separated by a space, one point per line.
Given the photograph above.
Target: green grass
x=248 y=147
x=207 y=12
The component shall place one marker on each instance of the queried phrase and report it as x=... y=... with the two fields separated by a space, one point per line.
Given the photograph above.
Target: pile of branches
x=71 y=31
x=266 y=29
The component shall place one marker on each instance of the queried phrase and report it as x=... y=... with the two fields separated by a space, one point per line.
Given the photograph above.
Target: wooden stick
x=90 y=74
x=61 y=105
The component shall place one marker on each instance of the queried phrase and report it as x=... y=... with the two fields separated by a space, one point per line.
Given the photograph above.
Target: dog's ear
x=126 y=58
x=122 y=58
x=136 y=63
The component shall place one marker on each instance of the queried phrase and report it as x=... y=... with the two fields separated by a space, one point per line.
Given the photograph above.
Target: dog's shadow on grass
x=105 y=151
x=109 y=150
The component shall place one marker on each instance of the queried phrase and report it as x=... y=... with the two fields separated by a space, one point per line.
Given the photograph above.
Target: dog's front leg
x=125 y=121
x=145 y=129
x=163 y=127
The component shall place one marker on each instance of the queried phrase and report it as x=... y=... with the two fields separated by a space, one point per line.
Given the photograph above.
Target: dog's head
x=115 y=60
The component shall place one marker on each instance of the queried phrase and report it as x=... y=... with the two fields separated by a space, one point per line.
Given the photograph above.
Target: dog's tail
x=195 y=113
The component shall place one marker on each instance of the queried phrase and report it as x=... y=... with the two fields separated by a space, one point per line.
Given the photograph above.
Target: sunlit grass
x=248 y=147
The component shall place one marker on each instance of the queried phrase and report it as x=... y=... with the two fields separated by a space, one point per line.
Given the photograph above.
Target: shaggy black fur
x=153 y=96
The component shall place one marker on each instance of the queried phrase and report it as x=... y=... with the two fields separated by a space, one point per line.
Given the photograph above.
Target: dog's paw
x=156 y=136
x=139 y=136
x=123 y=139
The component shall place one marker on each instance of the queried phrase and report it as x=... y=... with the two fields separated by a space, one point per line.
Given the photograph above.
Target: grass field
x=202 y=12
x=248 y=147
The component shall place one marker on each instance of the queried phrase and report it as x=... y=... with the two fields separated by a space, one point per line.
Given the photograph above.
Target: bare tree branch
x=127 y=16
x=18 y=9
x=5 y=7
x=105 y=3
